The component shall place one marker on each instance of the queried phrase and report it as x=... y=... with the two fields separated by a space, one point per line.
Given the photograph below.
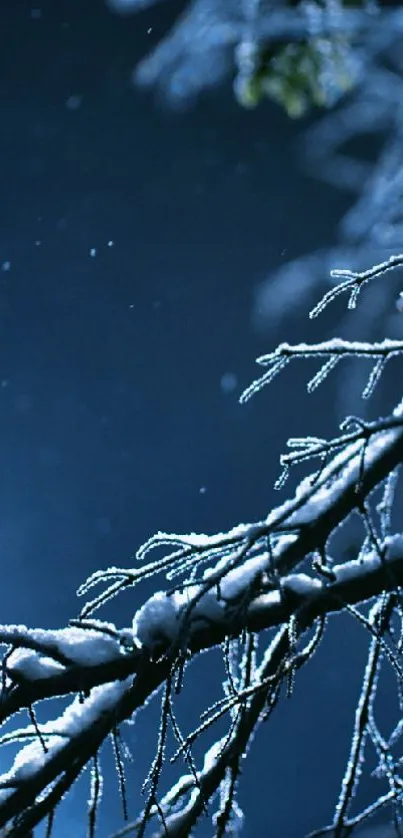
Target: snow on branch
x=282 y=575
x=249 y=587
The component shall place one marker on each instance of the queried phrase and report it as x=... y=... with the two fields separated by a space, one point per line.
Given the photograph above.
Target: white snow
x=42 y=652
x=31 y=666
x=157 y=620
x=76 y=719
x=371 y=561
x=301 y=584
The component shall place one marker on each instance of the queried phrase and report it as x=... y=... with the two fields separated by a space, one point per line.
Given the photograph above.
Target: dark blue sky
x=131 y=241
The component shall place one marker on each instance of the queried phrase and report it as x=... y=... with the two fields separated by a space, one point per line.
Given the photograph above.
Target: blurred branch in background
x=343 y=61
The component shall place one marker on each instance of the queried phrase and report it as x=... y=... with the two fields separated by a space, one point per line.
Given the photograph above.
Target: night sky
x=132 y=239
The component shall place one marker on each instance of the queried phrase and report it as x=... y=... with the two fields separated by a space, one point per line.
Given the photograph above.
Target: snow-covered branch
x=253 y=582
x=283 y=575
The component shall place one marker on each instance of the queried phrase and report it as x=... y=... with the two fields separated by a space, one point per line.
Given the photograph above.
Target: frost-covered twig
x=333 y=350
